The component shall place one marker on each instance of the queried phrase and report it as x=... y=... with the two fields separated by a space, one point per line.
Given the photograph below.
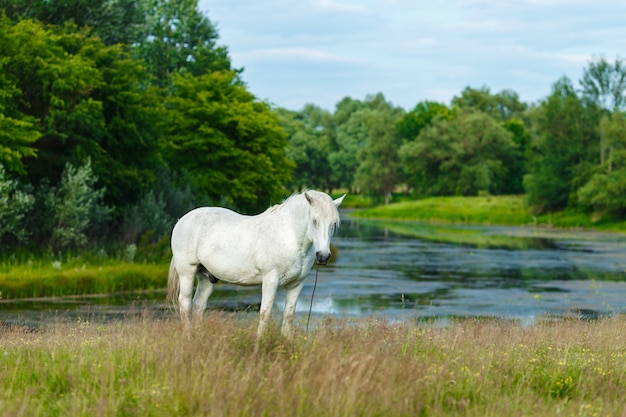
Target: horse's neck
x=292 y=216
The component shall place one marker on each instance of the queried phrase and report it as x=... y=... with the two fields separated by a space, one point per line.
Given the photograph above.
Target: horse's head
x=324 y=220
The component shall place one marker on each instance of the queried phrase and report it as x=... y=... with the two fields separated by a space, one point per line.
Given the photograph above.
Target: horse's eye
x=314 y=222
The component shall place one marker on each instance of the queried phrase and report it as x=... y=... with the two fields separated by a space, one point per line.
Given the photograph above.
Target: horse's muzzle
x=321 y=258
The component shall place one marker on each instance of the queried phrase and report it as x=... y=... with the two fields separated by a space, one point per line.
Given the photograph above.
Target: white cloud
x=321 y=50
x=335 y=6
x=292 y=53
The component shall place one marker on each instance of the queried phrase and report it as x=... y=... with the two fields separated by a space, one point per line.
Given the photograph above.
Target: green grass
x=43 y=278
x=342 y=368
x=491 y=210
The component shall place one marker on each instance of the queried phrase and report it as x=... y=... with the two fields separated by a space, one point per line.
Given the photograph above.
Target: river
x=414 y=271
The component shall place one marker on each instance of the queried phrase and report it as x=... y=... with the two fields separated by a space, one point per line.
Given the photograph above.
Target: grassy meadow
x=492 y=210
x=472 y=367
x=361 y=367
x=45 y=277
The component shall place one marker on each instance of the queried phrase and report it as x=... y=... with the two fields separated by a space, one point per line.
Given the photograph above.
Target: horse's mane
x=328 y=211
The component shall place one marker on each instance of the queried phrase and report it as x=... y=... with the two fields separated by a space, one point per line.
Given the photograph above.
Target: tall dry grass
x=149 y=367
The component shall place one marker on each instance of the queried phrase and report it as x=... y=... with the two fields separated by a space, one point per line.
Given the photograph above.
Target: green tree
x=604 y=84
x=502 y=106
x=462 y=156
x=130 y=146
x=88 y=100
x=516 y=166
x=15 y=203
x=231 y=144
x=115 y=21
x=308 y=145
x=351 y=136
x=52 y=85
x=379 y=169
x=606 y=190
x=75 y=207
x=412 y=123
x=561 y=154
x=180 y=39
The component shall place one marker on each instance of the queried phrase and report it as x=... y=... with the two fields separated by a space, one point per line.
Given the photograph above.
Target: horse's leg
x=291 y=298
x=203 y=292
x=187 y=275
x=269 y=287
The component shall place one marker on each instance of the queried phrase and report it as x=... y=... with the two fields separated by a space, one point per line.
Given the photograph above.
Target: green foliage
x=516 y=165
x=180 y=39
x=16 y=141
x=74 y=207
x=351 y=137
x=604 y=192
x=308 y=145
x=604 y=83
x=115 y=21
x=144 y=90
x=462 y=156
x=355 y=125
x=231 y=144
x=501 y=106
x=559 y=156
x=148 y=216
x=412 y=123
x=14 y=206
x=379 y=169
x=18 y=132
x=90 y=101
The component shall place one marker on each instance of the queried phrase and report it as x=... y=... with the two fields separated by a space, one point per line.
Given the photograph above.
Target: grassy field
x=494 y=210
x=470 y=367
x=44 y=277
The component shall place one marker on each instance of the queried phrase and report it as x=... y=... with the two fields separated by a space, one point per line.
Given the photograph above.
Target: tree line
x=116 y=117
x=566 y=152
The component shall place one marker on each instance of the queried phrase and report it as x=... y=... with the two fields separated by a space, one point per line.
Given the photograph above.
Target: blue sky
x=319 y=51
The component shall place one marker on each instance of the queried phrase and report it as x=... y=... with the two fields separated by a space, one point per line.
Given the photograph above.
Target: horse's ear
x=308 y=198
x=338 y=201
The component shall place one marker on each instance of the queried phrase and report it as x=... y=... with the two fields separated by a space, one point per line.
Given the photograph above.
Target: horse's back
x=199 y=222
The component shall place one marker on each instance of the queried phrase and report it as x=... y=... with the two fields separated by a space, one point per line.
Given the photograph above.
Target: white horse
x=273 y=249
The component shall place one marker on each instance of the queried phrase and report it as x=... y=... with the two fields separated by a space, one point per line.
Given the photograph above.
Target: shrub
x=14 y=205
x=75 y=206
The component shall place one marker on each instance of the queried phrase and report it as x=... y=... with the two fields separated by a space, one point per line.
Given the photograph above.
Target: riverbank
x=342 y=368
x=487 y=210
x=47 y=278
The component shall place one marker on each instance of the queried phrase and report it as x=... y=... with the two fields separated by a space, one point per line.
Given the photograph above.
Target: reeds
x=147 y=367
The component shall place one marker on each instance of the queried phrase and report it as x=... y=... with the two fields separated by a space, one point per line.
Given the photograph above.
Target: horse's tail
x=173 y=286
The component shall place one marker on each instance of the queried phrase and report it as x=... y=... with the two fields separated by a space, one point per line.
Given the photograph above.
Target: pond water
x=410 y=270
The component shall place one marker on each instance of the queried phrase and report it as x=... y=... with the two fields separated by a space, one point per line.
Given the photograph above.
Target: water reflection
x=411 y=269
x=407 y=270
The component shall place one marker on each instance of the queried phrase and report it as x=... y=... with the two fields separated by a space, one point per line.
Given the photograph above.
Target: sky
x=295 y=52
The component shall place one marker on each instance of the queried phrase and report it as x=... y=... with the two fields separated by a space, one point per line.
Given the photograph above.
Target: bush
x=75 y=207
x=14 y=205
